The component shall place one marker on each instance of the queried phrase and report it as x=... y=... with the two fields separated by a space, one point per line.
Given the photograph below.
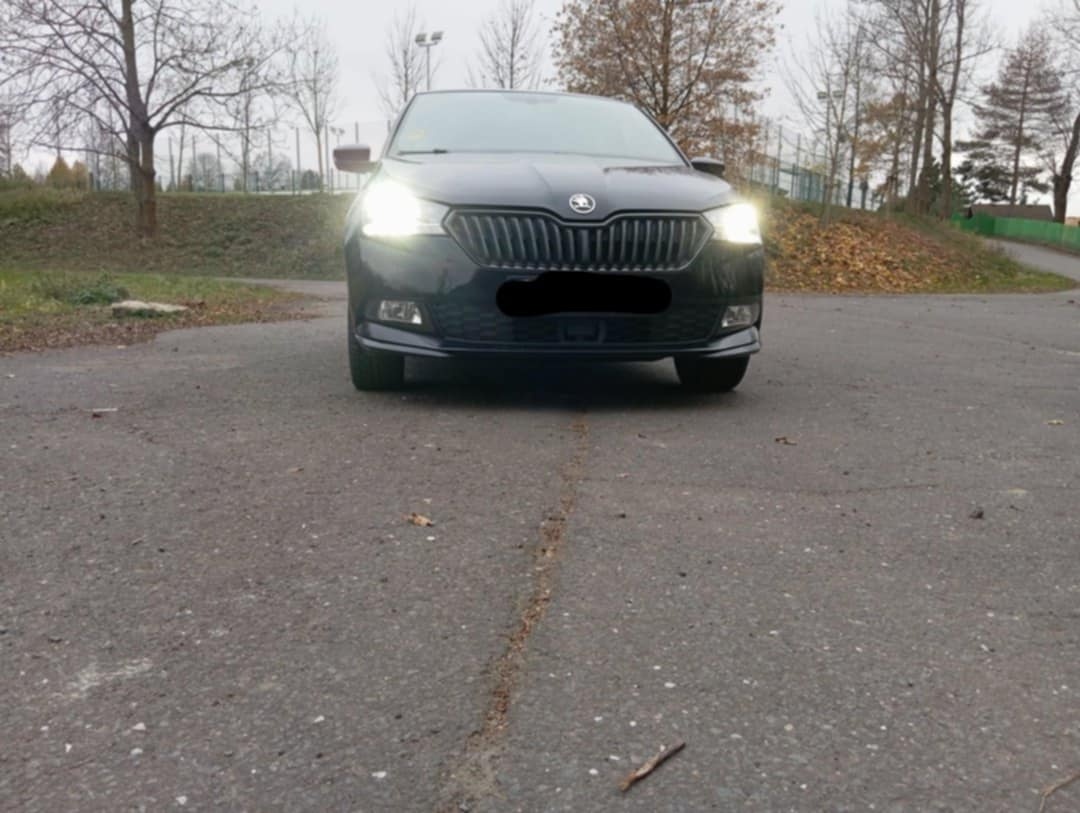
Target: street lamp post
x=427 y=43
x=832 y=151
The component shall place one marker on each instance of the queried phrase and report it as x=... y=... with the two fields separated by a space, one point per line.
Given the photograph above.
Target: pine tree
x=60 y=175
x=1018 y=108
x=981 y=175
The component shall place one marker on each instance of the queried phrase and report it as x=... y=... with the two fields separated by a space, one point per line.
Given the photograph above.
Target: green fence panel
x=1012 y=228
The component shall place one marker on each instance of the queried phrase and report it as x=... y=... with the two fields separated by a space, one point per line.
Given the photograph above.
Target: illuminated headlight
x=737 y=223
x=740 y=315
x=389 y=209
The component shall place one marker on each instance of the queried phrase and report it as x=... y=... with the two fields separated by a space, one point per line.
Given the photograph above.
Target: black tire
x=711 y=375
x=373 y=370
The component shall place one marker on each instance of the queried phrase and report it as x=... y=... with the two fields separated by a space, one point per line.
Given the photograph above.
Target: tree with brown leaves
x=691 y=65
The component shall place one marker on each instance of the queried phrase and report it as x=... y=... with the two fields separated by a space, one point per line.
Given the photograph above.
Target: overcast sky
x=359 y=30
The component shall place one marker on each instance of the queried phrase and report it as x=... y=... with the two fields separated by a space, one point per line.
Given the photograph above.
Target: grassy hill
x=300 y=237
x=865 y=252
x=214 y=235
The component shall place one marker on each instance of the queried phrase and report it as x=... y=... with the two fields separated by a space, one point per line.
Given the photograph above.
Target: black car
x=519 y=224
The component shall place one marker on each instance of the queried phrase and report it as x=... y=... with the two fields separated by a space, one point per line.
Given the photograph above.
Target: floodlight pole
x=427 y=43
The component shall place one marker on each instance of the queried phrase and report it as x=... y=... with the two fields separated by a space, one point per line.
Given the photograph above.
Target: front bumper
x=373 y=336
x=462 y=319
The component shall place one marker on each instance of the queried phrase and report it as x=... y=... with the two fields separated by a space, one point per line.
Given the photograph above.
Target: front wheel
x=372 y=370
x=711 y=375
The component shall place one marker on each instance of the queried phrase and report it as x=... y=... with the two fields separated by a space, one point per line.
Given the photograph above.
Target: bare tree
x=7 y=152
x=930 y=48
x=206 y=172
x=406 y=63
x=253 y=111
x=964 y=40
x=103 y=150
x=274 y=169
x=887 y=131
x=511 y=49
x=899 y=41
x=1062 y=148
x=828 y=87
x=313 y=80
x=145 y=66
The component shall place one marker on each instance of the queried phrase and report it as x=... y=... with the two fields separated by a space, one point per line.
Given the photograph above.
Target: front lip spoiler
x=402 y=342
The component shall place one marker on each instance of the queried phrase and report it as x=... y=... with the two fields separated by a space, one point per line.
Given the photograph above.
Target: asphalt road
x=1056 y=262
x=852 y=585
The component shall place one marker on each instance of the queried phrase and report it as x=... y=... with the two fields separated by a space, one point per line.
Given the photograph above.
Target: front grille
x=471 y=323
x=535 y=241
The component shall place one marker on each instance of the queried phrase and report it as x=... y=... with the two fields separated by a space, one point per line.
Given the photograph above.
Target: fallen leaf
x=784 y=440
x=978 y=513
x=296 y=469
x=419 y=520
x=1055 y=422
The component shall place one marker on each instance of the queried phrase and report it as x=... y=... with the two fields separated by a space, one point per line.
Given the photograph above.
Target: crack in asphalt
x=474 y=774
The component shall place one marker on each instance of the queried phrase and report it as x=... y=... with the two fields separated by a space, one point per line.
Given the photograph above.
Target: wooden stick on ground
x=1050 y=791
x=650 y=766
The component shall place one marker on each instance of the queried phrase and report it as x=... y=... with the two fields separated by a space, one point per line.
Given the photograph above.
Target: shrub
x=60 y=176
x=75 y=290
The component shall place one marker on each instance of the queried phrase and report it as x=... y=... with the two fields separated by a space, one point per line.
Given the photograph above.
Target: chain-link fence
x=278 y=161
x=305 y=182
x=788 y=164
x=285 y=161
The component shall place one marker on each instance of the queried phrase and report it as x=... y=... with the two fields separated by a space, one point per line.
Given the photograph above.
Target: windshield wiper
x=435 y=151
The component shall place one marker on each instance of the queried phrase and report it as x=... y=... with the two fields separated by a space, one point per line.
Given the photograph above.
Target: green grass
x=208 y=235
x=60 y=308
x=992 y=270
x=26 y=293
x=299 y=237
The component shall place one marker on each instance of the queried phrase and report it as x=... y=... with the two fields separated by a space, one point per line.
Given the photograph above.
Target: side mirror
x=354 y=158
x=710 y=166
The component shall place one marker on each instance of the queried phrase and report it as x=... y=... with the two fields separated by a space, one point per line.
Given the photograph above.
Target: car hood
x=543 y=181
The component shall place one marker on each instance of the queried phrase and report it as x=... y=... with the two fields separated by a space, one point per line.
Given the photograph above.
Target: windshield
x=530 y=122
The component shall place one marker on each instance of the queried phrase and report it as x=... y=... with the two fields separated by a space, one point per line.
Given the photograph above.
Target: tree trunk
x=922 y=104
x=133 y=160
x=946 y=161
x=921 y=204
x=948 y=102
x=665 y=65
x=1014 y=187
x=1019 y=142
x=855 y=137
x=1063 y=178
x=319 y=152
x=146 y=194
x=916 y=149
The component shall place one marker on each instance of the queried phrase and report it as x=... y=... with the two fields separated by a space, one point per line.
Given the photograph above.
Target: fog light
x=740 y=315
x=400 y=310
